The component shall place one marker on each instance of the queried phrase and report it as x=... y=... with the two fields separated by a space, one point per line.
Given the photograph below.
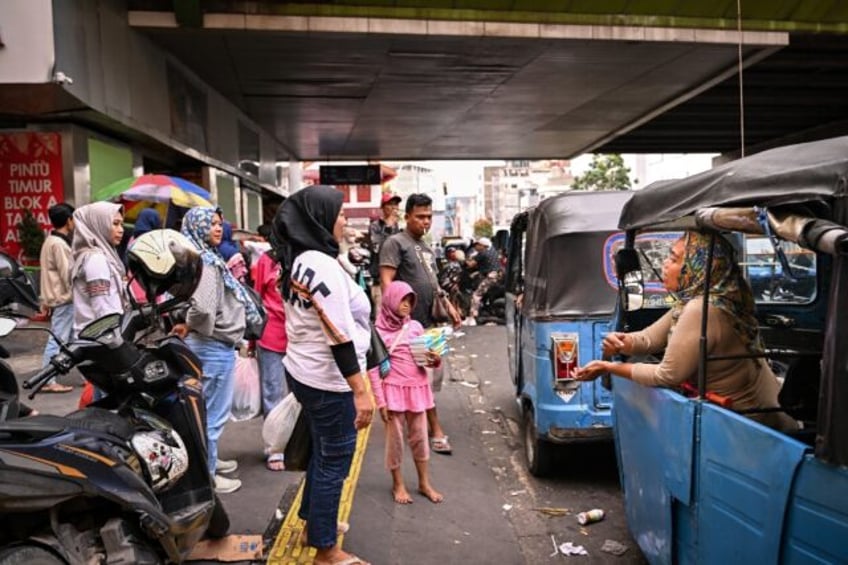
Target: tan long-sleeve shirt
x=749 y=382
x=55 y=260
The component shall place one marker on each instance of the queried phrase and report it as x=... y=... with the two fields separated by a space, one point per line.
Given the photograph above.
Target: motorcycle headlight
x=155 y=371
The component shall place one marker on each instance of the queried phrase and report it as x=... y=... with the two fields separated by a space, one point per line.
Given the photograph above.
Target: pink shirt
x=406 y=387
x=265 y=277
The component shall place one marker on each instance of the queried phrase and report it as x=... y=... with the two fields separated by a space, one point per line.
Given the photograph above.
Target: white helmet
x=165 y=261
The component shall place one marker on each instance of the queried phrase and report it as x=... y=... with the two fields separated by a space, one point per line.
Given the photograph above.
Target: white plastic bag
x=279 y=424
x=247 y=396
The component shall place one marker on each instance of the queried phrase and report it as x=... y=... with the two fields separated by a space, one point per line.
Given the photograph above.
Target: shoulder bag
x=253 y=330
x=440 y=311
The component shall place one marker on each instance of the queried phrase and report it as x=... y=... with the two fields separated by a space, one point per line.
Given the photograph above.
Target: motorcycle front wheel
x=29 y=555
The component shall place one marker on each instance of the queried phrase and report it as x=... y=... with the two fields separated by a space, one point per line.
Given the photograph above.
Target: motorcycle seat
x=89 y=419
x=36 y=426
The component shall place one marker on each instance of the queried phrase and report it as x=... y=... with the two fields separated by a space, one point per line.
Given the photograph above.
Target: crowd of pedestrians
x=319 y=324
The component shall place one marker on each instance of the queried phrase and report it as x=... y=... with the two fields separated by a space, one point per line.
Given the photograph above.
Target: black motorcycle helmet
x=165 y=261
x=16 y=286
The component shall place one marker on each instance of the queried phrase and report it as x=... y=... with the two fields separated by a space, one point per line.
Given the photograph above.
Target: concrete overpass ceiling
x=488 y=79
x=799 y=93
x=762 y=15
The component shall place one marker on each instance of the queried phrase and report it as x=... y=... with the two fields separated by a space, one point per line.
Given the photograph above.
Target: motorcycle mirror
x=100 y=327
x=6 y=326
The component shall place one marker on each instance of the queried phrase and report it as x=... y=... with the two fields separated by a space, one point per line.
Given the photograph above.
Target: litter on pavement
x=551 y=511
x=569 y=548
x=614 y=547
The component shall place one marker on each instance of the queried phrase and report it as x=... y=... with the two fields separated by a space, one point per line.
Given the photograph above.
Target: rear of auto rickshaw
x=702 y=482
x=561 y=294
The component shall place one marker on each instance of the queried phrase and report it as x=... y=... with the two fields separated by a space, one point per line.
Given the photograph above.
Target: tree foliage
x=483 y=228
x=606 y=172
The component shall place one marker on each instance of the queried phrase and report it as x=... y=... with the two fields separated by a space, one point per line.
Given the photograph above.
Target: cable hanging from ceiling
x=741 y=81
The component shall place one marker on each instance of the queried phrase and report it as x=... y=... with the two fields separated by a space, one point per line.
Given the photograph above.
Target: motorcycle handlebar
x=40 y=379
x=60 y=364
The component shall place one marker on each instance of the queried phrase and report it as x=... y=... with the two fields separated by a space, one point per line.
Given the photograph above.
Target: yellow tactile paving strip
x=287 y=549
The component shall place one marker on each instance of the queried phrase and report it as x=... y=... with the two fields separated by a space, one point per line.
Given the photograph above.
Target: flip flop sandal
x=352 y=560
x=441 y=445
x=276 y=458
x=56 y=388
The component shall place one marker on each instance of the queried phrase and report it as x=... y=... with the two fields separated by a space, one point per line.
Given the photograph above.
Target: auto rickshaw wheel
x=537 y=452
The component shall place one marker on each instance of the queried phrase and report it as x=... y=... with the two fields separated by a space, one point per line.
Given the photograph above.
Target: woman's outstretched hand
x=591 y=370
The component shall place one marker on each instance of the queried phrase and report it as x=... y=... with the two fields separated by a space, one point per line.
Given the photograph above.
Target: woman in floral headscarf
x=214 y=325
x=732 y=330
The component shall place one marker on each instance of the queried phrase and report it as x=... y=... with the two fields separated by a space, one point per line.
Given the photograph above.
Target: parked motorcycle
x=124 y=480
x=17 y=292
x=493 y=305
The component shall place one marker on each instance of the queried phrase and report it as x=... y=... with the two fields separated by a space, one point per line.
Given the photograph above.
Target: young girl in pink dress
x=404 y=395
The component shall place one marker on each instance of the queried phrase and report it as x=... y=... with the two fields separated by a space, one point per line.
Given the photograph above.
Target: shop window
x=226 y=188
x=252 y=209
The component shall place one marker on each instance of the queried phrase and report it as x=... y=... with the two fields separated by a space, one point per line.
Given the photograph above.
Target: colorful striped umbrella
x=155 y=188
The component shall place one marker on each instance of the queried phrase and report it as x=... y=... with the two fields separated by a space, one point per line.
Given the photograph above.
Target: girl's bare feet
x=431 y=493
x=401 y=495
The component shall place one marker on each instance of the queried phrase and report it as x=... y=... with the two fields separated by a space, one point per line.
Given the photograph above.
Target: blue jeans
x=62 y=326
x=219 y=361
x=272 y=377
x=330 y=416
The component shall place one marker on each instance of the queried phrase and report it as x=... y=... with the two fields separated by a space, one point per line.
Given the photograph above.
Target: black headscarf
x=304 y=222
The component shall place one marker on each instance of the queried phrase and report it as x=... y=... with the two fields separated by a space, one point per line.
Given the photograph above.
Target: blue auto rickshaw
x=706 y=484
x=561 y=295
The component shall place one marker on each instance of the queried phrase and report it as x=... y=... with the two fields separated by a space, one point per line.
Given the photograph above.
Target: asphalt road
x=494 y=511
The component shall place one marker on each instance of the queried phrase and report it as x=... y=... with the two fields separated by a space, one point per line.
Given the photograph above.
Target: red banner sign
x=30 y=179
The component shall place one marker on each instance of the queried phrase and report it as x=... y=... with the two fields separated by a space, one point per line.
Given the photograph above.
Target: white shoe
x=223 y=485
x=226 y=466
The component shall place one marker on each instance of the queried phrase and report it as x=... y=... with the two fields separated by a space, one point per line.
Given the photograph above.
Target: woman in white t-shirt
x=328 y=329
x=98 y=276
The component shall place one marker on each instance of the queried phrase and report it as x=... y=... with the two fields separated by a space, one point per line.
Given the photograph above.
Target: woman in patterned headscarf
x=732 y=330
x=214 y=325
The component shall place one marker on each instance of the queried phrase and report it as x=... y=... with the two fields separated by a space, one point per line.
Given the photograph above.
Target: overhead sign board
x=349 y=174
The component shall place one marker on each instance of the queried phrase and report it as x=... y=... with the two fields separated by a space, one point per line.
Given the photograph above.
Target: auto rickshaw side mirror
x=634 y=290
x=629 y=272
